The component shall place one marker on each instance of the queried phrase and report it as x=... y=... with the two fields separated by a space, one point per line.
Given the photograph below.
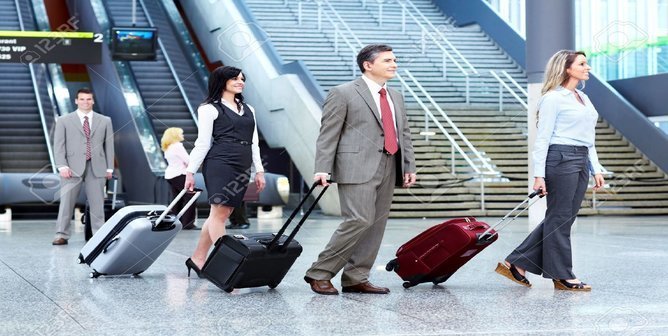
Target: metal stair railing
x=503 y=84
x=478 y=171
x=423 y=42
x=453 y=143
x=439 y=33
x=486 y=165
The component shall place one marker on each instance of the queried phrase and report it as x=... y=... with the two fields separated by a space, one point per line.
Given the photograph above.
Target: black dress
x=226 y=167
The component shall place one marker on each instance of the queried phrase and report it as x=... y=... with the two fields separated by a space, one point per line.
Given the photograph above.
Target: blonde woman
x=177 y=162
x=564 y=156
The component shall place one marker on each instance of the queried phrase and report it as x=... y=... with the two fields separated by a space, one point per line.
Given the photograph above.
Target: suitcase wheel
x=80 y=260
x=272 y=286
x=392 y=265
x=134 y=275
x=229 y=289
x=94 y=274
x=440 y=279
x=408 y=284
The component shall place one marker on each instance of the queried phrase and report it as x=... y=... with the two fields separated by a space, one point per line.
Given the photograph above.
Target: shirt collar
x=82 y=115
x=564 y=91
x=373 y=86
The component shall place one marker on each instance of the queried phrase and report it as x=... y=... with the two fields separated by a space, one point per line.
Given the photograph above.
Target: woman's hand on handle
x=539 y=183
x=599 y=181
x=190 y=182
x=260 y=182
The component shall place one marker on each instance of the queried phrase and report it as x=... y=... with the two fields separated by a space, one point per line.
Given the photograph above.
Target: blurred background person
x=177 y=162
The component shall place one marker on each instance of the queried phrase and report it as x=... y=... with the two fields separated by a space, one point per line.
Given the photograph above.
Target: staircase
x=23 y=146
x=500 y=135
x=159 y=90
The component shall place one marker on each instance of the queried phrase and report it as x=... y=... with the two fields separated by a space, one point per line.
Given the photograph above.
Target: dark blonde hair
x=555 y=71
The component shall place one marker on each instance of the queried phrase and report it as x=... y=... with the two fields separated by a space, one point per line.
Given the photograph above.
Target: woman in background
x=177 y=161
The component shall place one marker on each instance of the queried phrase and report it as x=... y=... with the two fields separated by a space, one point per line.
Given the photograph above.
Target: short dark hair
x=84 y=90
x=369 y=54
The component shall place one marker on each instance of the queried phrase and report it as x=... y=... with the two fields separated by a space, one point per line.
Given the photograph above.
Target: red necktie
x=86 y=129
x=388 y=123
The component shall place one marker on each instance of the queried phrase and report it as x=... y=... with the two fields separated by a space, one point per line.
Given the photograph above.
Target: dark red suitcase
x=436 y=254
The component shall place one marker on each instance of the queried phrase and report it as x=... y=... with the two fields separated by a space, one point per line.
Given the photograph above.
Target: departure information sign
x=50 y=47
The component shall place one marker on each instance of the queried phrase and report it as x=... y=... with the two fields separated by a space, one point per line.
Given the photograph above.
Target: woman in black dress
x=227 y=148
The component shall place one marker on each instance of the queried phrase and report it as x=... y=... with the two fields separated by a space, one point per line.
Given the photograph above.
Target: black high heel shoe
x=190 y=264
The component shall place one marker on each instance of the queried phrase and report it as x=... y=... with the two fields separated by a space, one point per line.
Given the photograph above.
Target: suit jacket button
x=381 y=134
x=380 y=151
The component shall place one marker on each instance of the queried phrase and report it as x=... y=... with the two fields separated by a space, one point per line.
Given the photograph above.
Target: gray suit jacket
x=70 y=144
x=351 y=139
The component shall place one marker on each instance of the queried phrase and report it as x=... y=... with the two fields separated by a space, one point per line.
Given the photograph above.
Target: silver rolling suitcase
x=133 y=238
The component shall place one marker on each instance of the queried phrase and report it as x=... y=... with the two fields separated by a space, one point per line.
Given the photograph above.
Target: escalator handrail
x=127 y=79
x=37 y=96
x=171 y=66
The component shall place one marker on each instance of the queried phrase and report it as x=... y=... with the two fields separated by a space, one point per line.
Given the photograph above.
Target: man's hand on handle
x=322 y=178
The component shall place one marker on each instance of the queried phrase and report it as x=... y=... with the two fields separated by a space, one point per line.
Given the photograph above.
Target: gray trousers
x=547 y=249
x=354 y=245
x=69 y=192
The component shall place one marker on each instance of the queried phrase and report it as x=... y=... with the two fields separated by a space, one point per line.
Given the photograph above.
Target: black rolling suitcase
x=112 y=203
x=260 y=259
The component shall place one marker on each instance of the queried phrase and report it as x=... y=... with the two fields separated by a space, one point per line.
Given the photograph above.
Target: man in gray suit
x=365 y=144
x=84 y=148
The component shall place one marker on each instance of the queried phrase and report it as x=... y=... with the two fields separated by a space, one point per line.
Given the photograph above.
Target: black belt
x=241 y=142
x=570 y=148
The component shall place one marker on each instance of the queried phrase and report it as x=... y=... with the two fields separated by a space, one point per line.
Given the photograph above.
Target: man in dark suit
x=84 y=153
x=365 y=144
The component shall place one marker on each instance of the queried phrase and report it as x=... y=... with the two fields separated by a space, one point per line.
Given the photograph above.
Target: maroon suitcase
x=437 y=253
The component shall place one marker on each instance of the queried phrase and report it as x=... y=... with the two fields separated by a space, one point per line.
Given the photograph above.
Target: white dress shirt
x=563 y=120
x=375 y=88
x=207 y=114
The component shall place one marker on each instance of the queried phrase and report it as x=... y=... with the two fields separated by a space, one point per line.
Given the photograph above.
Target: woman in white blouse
x=177 y=161
x=227 y=148
x=564 y=156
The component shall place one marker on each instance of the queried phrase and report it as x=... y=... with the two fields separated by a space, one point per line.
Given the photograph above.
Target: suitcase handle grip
x=274 y=243
x=176 y=200
x=487 y=235
x=111 y=242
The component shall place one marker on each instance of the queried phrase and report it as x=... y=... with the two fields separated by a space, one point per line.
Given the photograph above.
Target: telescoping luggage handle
x=274 y=242
x=176 y=200
x=486 y=235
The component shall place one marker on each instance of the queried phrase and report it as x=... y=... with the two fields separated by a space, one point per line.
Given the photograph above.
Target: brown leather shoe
x=59 y=241
x=366 y=288
x=323 y=287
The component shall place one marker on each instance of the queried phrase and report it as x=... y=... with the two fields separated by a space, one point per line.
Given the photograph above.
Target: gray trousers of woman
x=547 y=249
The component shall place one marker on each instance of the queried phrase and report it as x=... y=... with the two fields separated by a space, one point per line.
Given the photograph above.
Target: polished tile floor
x=44 y=292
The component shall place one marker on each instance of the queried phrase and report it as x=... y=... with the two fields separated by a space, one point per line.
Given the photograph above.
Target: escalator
x=163 y=95
x=23 y=144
